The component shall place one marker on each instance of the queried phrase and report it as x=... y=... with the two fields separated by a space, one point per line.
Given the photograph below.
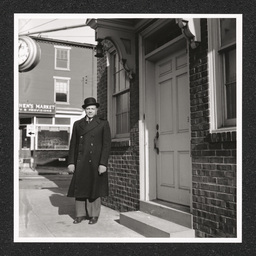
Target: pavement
x=46 y=213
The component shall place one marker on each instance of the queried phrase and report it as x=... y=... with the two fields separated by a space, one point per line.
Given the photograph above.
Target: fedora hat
x=90 y=101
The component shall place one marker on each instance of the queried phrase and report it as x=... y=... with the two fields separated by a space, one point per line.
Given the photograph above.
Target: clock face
x=29 y=53
x=23 y=51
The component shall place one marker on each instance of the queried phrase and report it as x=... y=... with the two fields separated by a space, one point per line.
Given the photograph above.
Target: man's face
x=91 y=111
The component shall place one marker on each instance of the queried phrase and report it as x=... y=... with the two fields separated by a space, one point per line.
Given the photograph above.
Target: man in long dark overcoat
x=88 y=159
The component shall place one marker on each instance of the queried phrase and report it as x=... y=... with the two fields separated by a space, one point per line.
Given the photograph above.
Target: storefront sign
x=36 y=108
x=31 y=130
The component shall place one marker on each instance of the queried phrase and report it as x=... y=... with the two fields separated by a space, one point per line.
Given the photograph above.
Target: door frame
x=148 y=184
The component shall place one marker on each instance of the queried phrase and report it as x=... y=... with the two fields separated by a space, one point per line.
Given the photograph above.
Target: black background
x=8 y=8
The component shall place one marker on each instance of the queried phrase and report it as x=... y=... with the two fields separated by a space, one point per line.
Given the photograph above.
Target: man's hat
x=90 y=101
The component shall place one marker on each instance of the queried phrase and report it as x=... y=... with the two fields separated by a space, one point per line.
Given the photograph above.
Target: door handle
x=156 y=143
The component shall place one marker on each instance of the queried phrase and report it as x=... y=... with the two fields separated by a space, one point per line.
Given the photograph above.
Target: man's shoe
x=93 y=220
x=79 y=219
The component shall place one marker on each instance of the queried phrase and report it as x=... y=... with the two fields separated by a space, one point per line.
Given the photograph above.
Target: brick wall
x=123 y=169
x=213 y=157
x=102 y=87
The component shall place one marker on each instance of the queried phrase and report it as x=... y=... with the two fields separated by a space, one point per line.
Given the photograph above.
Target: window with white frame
x=119 y=98
x=52 y=133
x=61 y=86
x=62 y=58
x=222 y=72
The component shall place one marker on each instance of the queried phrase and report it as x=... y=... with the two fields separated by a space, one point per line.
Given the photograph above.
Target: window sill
x=222 y=135
x=61 y=103
x=52 y=149
x=118 y=143
x=62 y=69
x=225 y=129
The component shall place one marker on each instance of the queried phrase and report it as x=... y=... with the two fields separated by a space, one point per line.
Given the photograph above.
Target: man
x=88 y=159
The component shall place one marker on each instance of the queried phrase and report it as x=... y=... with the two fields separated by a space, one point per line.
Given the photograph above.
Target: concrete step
x=166 y=212
x=152 y=226
x=24 y=165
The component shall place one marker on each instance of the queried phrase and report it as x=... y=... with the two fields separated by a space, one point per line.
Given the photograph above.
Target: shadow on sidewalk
x=64 y=204
x=59 y=199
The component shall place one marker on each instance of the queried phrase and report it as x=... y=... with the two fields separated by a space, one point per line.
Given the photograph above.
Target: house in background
x=168 y=89
x=50 y=100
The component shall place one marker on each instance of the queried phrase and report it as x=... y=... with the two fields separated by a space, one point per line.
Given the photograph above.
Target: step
x=152 y=226
x=165 y=212
x=24 y=165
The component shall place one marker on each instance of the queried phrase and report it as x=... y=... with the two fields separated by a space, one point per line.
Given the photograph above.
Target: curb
x=30 y=171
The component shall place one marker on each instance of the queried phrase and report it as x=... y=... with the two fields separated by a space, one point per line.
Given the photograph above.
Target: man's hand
x=71 y=168
x=102 y=169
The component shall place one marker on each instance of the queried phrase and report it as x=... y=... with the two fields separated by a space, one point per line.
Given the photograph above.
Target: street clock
x=29 y=53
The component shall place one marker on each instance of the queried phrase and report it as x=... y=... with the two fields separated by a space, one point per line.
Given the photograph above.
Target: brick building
x=50 y=100
x=168 y=89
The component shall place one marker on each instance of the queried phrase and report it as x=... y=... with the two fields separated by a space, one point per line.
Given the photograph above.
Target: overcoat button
x=90 y=161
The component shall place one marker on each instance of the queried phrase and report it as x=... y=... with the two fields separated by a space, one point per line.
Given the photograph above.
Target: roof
x=63 y=42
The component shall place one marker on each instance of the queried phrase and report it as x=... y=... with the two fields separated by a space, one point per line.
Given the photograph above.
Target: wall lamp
x=99 y=49
x=103 y=46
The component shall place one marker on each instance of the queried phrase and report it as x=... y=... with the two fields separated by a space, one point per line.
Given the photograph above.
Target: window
x=52 y=133
x=222 y=72
x=62 y=120
x=61 y=86
x=62 y=58
x=51 y=120
x=53 y=137
x=228 y=55
x=44 y=120
x=119 y=98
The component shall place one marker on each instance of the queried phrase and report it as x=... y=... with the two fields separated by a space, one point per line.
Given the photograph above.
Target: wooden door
x=172 y=140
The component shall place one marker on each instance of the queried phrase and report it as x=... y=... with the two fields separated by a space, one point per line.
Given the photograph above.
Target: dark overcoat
x=90 y=147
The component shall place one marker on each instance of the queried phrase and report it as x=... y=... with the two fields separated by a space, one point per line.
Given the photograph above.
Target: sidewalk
x=44 y=170
x=46 y=212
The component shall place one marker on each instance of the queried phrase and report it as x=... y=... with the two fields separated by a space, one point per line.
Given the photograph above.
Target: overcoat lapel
x=86 y=127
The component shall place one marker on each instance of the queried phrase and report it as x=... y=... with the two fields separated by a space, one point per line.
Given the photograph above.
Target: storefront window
x=44 y=120
x=62 y=120
x=53 y=137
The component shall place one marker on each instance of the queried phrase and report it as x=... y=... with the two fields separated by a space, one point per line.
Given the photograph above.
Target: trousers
x=86 y=207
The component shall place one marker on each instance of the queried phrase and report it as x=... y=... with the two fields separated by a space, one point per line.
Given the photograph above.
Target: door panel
x=182 y=106
x=183 y=165
x=167 y=162
x=166 y=93
x=172 y=133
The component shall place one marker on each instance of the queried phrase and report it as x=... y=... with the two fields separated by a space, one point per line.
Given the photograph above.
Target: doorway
x=167 y=126
x=25 y=143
